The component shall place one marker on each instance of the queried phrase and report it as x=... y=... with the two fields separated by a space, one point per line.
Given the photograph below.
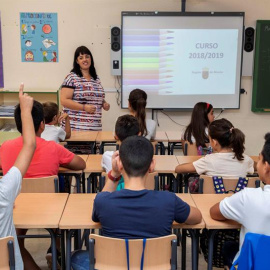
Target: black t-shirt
x=130 y=214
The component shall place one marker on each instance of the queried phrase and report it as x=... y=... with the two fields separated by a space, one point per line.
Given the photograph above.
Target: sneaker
x=49 y=258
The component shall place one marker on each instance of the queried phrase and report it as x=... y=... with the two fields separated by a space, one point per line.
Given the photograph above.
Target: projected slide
x=177 y=61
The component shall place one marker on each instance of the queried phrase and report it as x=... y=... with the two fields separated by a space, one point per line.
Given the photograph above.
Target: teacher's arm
x=67 y=101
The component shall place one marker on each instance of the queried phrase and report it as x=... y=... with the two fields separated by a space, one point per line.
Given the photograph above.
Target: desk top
x=78 y=212
x=83 y=136
x=165 y=163
x=79 y=207
x=39 y=210
x=161 y=136
x=204 y=202
x=187 y=159
x=8 y=135
x=93 y=164
x=65 y=170
x=174 y=136
x=105 y=136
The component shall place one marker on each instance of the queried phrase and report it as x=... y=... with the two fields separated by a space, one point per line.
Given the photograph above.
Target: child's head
x=202 y=116
x=37 y=114
x=227 y=136
x=263 y=165
x=51 y=112
x=136 y=155
x=126 y=126
x=137 y=103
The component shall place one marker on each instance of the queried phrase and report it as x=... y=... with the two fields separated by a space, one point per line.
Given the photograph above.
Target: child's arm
x=65 y=117
x=29 y=137
x=215 y=212
x=185 y=168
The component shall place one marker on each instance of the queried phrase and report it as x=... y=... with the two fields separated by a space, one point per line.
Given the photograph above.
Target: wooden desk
x=83 y=136
x=40 y=210
x=187 y=159
x=8 y=135
x=161 y=136
x=94 y=169
x=79 y=174
x=174 y=137
x=78 y=215
x=105 y=138
x=82 y=142
x=204 y=202
x=165 y=163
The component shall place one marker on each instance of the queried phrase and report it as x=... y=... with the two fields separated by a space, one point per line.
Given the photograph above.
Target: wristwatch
x=114 y=179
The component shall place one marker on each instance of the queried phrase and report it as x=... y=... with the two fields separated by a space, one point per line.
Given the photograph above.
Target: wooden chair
x=189 y=149
x=40 y=185
x=7 y=260
x=206 y=184
x=110 y=253
x=152 y=181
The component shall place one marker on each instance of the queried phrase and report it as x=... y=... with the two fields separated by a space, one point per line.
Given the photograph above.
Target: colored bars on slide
x=148 y=59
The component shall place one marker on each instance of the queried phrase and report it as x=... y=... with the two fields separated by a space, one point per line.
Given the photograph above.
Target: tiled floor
x=38 y=249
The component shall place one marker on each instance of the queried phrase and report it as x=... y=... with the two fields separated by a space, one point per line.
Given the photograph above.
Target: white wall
x=87 y=22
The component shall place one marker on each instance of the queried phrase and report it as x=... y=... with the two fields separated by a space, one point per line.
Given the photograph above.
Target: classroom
x=89 y=23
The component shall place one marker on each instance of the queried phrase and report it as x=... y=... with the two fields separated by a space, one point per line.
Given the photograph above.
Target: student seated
x=249 y=207
x=125 y=126
x=197 y=130
x=52 y=117
x=228 y=159
x=135 y=212
x=47 y=158
x=10 y=184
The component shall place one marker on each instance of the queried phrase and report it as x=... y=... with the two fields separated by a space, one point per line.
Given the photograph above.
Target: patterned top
x=85 y=92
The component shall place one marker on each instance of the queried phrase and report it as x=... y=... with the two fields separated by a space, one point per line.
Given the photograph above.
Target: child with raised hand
x=228 y=160
x=249 y=207
x=197 y=130
x=10 y=184
x=52 y=118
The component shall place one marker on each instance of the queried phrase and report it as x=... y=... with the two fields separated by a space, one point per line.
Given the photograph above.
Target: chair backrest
x=254 y=253
x=110 y=253
x=7 y=260
x=40 y=185
x=206 y=185
x=189 y=149
x=152 y=182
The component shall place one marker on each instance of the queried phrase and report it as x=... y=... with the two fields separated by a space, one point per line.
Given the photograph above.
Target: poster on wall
x=1 y=59
x=39 y=37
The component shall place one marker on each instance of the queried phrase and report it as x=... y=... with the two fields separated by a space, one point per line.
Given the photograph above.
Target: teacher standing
x=82 y=95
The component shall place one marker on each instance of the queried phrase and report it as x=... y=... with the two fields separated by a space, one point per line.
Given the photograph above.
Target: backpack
x=221 y=236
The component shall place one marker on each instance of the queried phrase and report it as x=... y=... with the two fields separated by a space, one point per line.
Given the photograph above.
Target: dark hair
x=266 y=148
x=126 y=126
x=199 y=122
x=76 y=67
x=137 y=100
x=224 y=132
x=37 y=115
x=136 y=154
x=50 y=110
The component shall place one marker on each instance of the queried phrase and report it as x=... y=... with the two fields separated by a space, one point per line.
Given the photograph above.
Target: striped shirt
x=85 y=92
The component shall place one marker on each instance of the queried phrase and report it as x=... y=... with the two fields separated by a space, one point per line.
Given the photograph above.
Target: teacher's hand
x=90 y=108
x=106 y=106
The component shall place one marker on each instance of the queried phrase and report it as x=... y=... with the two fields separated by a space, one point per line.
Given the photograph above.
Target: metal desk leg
x=211 y=248
x=194 y=255
x=101 y=148
x=63 y=257
x=53 y=245
x=183 y=243
x=78 y=182
x=83 y=182
x=68 y=249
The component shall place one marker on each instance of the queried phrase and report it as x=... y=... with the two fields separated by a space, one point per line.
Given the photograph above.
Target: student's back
x=46 y=160
x=138 y=214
